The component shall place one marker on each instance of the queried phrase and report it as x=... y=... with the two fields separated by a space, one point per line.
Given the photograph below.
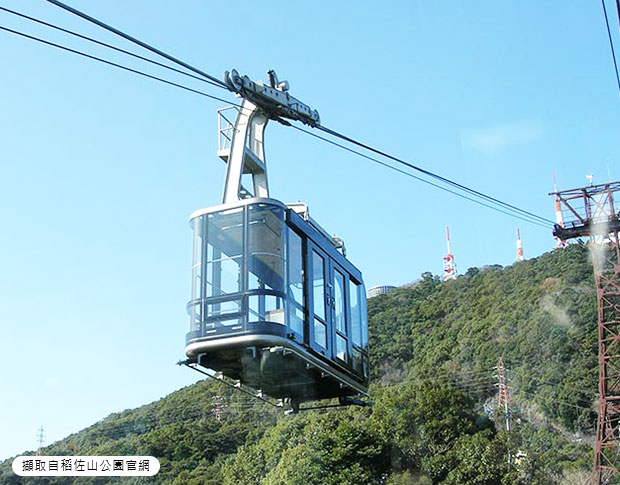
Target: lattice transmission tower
x=218 y=408
x=503 y=393
x=40 y=440
x=593 y=212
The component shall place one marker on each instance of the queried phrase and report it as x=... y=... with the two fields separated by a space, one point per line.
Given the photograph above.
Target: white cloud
x=495 y=139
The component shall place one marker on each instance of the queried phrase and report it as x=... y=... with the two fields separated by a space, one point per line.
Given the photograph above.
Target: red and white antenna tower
x=519 y=246
x=449 y=268
x=559 y=220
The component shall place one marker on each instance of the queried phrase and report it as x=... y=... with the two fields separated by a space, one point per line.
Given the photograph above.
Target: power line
x=558 y=401
x=137 y=41
x=503 y=206
x=434 y=175
x=611 y=44
x=109 y=46
x=110 y=63
x=322 y=128
x=396 y=169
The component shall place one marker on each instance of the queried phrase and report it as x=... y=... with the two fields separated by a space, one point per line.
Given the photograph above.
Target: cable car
x=275 y=303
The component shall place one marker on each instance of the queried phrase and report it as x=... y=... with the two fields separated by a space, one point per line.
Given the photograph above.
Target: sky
x=100 y=168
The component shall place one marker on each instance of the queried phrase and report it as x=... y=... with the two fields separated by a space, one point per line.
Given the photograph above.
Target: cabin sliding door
x=319 y=292
x=340 y=315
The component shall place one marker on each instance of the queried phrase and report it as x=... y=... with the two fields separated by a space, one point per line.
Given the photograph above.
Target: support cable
x=104 y=44
x=611 y=44
x=434 y=175
x=128 y=37
x=498 y=205
x=368 y=157
x=564 y=403
x=110 y=63
x=322 y=128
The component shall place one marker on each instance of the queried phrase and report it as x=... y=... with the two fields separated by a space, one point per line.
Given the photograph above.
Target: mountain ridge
x=433 y=349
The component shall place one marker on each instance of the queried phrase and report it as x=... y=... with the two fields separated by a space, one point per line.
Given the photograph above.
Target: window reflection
x=341 y=348
x=356 y=314
x=224 y=253
x=362 y=303
x=318 y=285
x=339 y=315
x=265 y=308
x=295 y=283
x=266 y=248
x=320 y=333
x=197 y=267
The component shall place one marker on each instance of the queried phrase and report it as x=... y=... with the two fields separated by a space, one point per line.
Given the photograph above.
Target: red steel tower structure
x=594 y=212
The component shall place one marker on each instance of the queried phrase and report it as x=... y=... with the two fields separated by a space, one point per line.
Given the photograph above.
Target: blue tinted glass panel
x=266 y=248
x=295 y=284
x=339 y=313
x=320 y=333
x=341 y=348
x=318 y=285
x=296 y=319
x=265 y=308
x=362 y=301
x=356 y=314
x=224 y=253
x=222 y=308
x=197 y=257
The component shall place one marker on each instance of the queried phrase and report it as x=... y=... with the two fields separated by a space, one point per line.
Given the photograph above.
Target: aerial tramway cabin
x=275 y=303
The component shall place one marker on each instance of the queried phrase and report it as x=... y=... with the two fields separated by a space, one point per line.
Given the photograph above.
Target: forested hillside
x=434 y=347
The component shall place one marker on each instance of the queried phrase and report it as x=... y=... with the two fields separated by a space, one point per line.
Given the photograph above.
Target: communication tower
x=449 y=267
x=40 y=440
x=595 y=212
x=519 y=247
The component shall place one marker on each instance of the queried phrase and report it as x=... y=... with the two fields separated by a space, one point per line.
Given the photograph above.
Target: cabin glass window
x=357 y=361
x=341 y=348
x=230 y=322
x=195 y=315
x=356 y=314
x=195 y=309
x=265 y=308
x=318 y=300
x=339 y=313
x=266 y=248
x=340 y=316
x=362 y=302
x=320 y=333
x=197 y=257
x=222 y=308
x=318 y=285
x=295 y=283
x=224 y=253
